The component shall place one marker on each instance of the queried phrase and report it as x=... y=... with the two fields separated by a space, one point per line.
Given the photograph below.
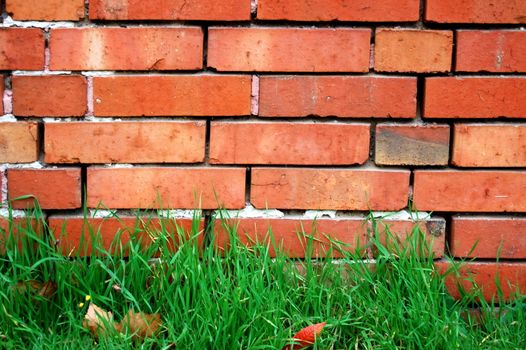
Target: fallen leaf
x=305 y=337
x=140 y=324
x=47 y=289
x=44 y=289
x=98 y=321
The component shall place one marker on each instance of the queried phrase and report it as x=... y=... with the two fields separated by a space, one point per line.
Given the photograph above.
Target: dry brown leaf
x=98 y=321
x=140 y=324
x=44 y=289
x=47 y=289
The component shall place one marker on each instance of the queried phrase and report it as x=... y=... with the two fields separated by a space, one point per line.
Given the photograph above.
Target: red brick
x=13 y=233
x=131 y=48
x=488 y=237
x=474 y=97
x=465 y=191
x=75 y=233
x=289 y=143
x=163 y=187
x=206 y=10
x=476 y=11
x=330 y=10
x=511 y=277
x=491 y=51
x=292 y=236
x=412 y=144
x=125 y=142
x=18 y=142
x=54 y=188
x=409 y=50
x=21 y=48
x=359 y=97
x=45 y=10
x=169 y=95
x=490 y=145
x=306 y=188
x=289 y=49
x=401 y=231
x=49 y=96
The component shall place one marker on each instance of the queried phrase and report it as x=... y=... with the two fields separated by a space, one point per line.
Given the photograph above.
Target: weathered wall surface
x=286 y=110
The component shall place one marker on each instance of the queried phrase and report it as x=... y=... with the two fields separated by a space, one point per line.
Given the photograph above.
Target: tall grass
x=239 y=298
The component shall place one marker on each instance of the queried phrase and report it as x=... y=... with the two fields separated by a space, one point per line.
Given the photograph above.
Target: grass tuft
x=237 y=298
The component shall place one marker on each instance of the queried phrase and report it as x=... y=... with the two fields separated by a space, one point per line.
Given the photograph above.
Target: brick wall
x=281 y=110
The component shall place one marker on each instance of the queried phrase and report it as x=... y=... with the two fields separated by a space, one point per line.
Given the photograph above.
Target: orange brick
x=465 y=191
x=163 y=187
x=46 y=10
x=54 y=188
x=49 y=96
x=288 y=143
x=169 y=95
x=474 y=97
x=408 y=50
x=291 y=236
x=491 y=145
x=75 y=233
x=476 y=11
x=488 y=237
x=18 y=142
x=491 y=51
x=359 y=97
x=206 y=10
x=125 y=142
x=289 y=49
x=330 y=10
x=21 y=48
x=306 y=188
x=398 y=144
x=511 y=277
x=131 y=48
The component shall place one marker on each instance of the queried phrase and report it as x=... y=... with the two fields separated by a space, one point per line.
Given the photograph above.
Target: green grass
x=243 y=299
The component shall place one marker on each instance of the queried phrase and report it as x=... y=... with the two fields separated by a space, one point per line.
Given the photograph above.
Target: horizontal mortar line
x=257 y=23
x=496 y=214
x=458 y=259
x=311 y=24
x=214 y=72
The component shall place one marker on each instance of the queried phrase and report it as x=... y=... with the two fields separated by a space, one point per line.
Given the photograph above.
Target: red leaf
x=306 y=337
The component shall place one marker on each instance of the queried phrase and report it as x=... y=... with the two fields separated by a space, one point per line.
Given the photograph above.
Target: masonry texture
x=295 y=115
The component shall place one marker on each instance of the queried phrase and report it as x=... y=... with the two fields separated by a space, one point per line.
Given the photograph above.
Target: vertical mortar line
x=454 y=52
x=411 y=189
x=204 y=28
x=451 y=142
x=83 y=186
x=86 y=10
x=420 y=96
x=372 y=141
x=41 y=148
x=421 y=14
x=254 y=96
x=47 y=53
x=7 y=98
x=248 y=180
x=448 y=236
x=253 y=9
x=207 y=140
x=89 y=96
x=3 y=9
